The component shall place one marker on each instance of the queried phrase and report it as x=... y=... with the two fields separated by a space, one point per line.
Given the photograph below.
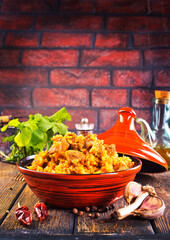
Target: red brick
x=56 y=97
x=139 y=23
x=108 y=118
x=158 y=6
x=105 y=58
x=162 y=78
x=1 y=39
x=142 y=98
x=109 y=97
x=9 y=57
x=23 y=77
x=76 y=6
x=22 y=39
x=66 y=40
x=111 y=40
x=125 y=78
x=79 y=77
x=76 y=118
x=15 y=97
x=121 y=6
x=69 y=22
x=152 y=40
x=50 y=58
x=157 y=57
x=16 y=22
x=146 y=115
x=28 y=5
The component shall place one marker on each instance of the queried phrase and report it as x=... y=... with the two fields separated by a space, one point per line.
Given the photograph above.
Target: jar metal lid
x=84 y=125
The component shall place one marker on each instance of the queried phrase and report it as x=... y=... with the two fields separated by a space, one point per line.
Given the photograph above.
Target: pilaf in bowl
x=79 y=171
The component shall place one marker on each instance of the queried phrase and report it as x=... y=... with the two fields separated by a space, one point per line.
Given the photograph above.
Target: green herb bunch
x=35 y=134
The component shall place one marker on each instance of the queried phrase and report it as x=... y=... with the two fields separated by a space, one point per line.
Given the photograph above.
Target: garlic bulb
x=151 y=207
x=143 y=202
x=132 y=191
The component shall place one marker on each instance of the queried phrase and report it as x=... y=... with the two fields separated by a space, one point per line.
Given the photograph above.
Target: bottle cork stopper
x=162 y=94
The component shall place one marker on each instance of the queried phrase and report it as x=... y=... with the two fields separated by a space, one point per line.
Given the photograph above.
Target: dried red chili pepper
x=24 y=215
x=40 y=210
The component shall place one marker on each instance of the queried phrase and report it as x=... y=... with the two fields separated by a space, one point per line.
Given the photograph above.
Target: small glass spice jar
x=84 y=127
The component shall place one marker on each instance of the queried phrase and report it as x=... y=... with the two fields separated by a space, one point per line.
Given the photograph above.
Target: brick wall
x=91 y=56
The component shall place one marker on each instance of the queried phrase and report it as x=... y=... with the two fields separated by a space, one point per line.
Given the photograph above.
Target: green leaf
x=23 y=138
x=60 y=116
x=11 y=123
x=8 y=139
x=30 y=124
x=44 y=125
x=35 y=134
x=14 y=123
x=4 y=128
x=38 y=137
x=59 y=128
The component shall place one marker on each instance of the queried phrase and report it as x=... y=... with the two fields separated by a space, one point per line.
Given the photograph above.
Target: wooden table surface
x=63 y=224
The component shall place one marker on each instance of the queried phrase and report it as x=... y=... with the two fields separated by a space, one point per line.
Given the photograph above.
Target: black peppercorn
x=87 y=209
x=94 y=208
x=75 y=211
x=80 y=213
x=97 y=215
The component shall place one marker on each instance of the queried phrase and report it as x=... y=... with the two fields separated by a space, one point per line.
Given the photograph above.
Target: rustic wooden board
x=58 y=221
x=162 y=185
x=131 y=225
x=162 y=224
x=107 y=225
x=82 y=237
x=63 y=223
x=9 y=187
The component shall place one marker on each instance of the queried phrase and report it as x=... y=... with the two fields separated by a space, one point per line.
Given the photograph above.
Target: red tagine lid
x=123 y=134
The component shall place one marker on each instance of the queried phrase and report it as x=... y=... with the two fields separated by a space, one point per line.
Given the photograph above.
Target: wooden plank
x=82 y=237
x=130 y=225
x=107 y=225
x=162 y=224
x=58 y=222
x=9 y=187
x=161 y=183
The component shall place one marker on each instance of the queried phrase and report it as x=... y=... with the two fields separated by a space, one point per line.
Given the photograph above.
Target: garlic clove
x=150 y=190
x=132 y=191
x=152 y=207
x=129 y=209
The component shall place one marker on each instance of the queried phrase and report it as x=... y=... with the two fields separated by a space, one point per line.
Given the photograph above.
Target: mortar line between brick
x=4 y=39
x=58 y=3
x=94 y=6
x=90 y=98
x=148 y=6
x=153 y=80
x=40 y=40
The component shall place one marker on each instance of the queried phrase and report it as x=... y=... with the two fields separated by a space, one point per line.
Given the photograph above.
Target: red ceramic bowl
x=69 y=191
